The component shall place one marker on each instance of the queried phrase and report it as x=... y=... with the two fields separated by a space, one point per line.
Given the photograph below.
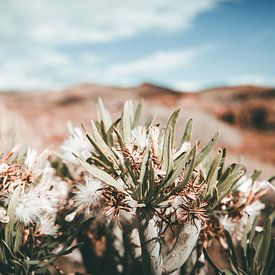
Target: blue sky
x=182 y=44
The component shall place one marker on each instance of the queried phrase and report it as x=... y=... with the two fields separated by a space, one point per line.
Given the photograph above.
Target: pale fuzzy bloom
x=236 y=228
x=47 y=226
x=139 y=137
x=60 y=190
x=36 y=162
x=3 y=216
x=89 y=193
x=32 y=206
x=254 y=209
x=54 y=187
x=78 y=144
x=185 y=147
x=246 y=185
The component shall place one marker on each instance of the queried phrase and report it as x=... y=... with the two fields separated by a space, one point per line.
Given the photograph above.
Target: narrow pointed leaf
x=206 y=150
x=187 y=132
x=101 y=175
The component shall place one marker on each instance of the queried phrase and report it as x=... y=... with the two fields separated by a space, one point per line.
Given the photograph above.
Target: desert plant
x=140 y=180
x=255 y=254
x=230 y=217
x=30 y=198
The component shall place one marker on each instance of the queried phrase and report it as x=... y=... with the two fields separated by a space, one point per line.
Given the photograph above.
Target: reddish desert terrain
x=244 y=115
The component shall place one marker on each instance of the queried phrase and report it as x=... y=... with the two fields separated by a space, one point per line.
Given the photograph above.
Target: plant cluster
x=133 y=200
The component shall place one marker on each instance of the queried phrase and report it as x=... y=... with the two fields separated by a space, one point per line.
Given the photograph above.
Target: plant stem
x=150 y=242
x=183 y=247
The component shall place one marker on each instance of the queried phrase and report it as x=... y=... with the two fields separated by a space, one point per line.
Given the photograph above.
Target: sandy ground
x=40 y=118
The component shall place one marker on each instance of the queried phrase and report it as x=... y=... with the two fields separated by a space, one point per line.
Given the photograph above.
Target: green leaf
x=102 y=146
x=270 y=260
x=179 y=165
x=222 y=163
x=104 y=115
x=167 y=163
x=143 y=176
x=253 y=229
x=137 y=114
x=168 y=140
x=233 y=253
x=206 y=150
x=187 y=132
x=188 y=169
x=127 y=121
x=255 y=175
x=151 y=182
x=149 y=121
x=229 y=179
x=101 y=175
x=266 y=240
x=8 y=252
x=211 y=180
x=11 y=213
x=18 y=237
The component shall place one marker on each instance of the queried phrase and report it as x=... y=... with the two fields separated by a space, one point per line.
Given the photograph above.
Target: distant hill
x=245 y=115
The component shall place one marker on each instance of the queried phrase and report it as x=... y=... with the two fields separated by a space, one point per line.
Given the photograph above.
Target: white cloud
x=188 y=86
x=43 y=68
x=159 y=62
x=68 y=21
x=154 y=66
x=33 y=32
x=252 y=79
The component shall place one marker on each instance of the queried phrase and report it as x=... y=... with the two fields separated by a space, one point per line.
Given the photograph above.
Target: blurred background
x=213 y=58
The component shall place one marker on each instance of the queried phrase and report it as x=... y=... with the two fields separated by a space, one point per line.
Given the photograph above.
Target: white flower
x=78 y=144
x=35 y=162
x=254 y=209
x=47 y=226
x=236 y=228
x=52 y=186
x=246 y=185
x=139 y=137
x=32 y=206
x=88 y=194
